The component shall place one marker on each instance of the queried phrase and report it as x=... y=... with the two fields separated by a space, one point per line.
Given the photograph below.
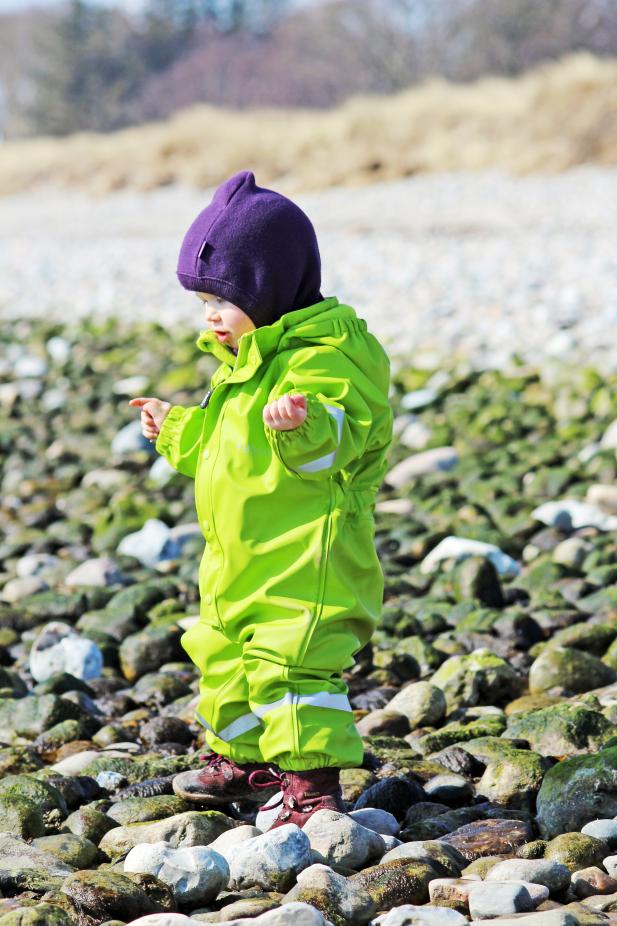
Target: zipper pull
x=206 y=398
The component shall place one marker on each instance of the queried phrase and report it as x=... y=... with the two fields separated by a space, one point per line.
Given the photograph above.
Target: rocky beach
x=487 y=700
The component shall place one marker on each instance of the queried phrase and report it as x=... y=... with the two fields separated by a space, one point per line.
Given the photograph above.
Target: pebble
x=337 y=839
x=150 y=545
x=333 y=894
x=553 y=875
x=58 y=648
x=270 y=861
x=195 y=874
x=411 y=915
x=438 y=459
x=494 y=898
x=458 y=548
x=101 y=570
x=380 y=821
x=602 y=829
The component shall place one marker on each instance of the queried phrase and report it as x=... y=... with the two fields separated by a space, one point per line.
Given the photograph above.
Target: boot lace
x=214 y=761
x=271 y=778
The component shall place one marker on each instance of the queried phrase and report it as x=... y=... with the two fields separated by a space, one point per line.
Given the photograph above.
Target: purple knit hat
x=255 y=248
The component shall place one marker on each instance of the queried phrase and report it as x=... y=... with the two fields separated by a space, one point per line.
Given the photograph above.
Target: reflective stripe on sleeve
x=324 y=462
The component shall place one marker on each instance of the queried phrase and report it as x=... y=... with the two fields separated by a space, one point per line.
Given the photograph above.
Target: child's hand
x=285 y=413
x=153 y=413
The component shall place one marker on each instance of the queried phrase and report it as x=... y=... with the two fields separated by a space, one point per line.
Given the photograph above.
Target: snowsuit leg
x=301 y=698
x=232 y=729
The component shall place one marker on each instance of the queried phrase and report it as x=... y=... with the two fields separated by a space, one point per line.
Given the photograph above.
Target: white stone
x=33 y=563
x=554 y=875
x=292 y=914
x=151 y=544
x=494 y=898
x=337 y=839
x=74 y=765
x=129 y=439
x=421 y=464
x=603 y=496
x=390 y=842
x=570 y=514
x=609 y=438
x=101 y=570
x=266 y=817
x=418 y=398
x=416 y=435
x=410 y=915
x=21 y=587
x=458 y=548
x=161 y=472
x=30 y=365
x=195 y=874
x=610 y=863
x=380 y=821
x=227 y=841
x=106 y=479
x=131 y=385
x=402 y=506
x=58 y=648
x=58 y=348
x=270 y=861
x=163 y=919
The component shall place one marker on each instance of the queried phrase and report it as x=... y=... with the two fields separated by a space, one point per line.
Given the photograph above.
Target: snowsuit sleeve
x=338 y=422
x=179 y=438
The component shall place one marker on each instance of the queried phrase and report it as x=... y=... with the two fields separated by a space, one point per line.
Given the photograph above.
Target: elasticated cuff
x=167 y=433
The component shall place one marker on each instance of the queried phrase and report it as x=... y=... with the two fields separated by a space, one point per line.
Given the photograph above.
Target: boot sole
x=204 y=797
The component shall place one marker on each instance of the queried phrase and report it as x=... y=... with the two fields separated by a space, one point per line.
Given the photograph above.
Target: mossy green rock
x=402 y=881
x=89 y=822
x=477 y=678
x=17 y=759
x=593 y=638
x=573 y=669
x=576 y=851
x=20 y=816
x=455 y=732
x=149 y=649
x=76 y=851
x=104 y=895
x=514 y=780
x=576 y=791
x=145 y=809
x=194 y=828
x=44 y=914
x=48 y=799
x=562 y=730
x=31 y=716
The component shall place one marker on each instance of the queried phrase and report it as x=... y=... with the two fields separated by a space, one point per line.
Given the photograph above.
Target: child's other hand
x=285 y=413
x=153 y=413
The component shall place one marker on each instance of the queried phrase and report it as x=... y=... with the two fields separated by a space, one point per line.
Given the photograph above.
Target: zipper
x=206 y=398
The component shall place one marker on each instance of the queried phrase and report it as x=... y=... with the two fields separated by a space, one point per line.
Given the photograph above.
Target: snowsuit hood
x=255 y=248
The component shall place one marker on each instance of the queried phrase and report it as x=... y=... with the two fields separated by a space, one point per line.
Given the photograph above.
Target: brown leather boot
x=222 y=781
x=304 y=793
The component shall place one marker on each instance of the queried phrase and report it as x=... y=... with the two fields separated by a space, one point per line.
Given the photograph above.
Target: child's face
x=226 y=318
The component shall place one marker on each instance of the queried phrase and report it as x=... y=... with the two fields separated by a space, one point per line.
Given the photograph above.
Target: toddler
x=287 y=449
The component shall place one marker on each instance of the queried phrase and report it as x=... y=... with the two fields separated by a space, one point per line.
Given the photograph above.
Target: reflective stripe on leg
x=338 y=702
x=235 y=728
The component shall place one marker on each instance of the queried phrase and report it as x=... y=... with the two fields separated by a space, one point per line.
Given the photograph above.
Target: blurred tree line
x=82 y=67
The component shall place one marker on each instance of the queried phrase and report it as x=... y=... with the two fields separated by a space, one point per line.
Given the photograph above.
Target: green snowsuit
x=290 y=582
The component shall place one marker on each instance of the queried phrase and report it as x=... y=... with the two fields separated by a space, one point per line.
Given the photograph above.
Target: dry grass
x=555 y=117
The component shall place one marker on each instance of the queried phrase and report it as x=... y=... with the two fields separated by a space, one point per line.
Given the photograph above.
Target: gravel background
x=474 y=265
